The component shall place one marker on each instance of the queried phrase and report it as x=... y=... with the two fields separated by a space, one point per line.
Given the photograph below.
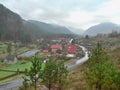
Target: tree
x=117 y=80
x=55 y=73
x=9 y=48
x=87 y=37
x=101 y=70
x=50 y=73
x=35 y=72
x=61 y=75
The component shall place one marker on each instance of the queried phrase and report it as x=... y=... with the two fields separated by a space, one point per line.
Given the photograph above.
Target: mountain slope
x=50 y=28
x=102 y=28
x=13 y=27
x=10 y=24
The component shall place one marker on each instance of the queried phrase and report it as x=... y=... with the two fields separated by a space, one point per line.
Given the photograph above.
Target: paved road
x=11 y=85
x=14 y=84
x=79 y=61
x=29 y=53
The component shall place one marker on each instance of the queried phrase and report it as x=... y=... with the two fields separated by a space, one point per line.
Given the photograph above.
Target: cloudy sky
x=70 y=13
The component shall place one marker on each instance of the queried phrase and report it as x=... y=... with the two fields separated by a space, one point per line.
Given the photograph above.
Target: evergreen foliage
x=101 y=70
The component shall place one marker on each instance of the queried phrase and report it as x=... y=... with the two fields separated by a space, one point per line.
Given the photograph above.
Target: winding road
x=79 y=61
x=14 y=84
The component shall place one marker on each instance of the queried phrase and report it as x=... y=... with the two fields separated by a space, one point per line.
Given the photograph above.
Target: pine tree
x=117 y=80
x=50 y=73
x=9 y=48
x=54 y=73
x=61 y=75
x=35 y=71
x=100 y=70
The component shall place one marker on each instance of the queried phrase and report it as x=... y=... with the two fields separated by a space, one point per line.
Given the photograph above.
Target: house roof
x=45 y=51
x=56 y=46
x=71 y=48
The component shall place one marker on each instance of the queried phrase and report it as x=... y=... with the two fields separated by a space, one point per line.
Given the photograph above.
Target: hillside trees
x=51 y=73
x=55 y=73
x=33 y=75
x=9 y=48
x=61 y=75
x=101 y=70
x=35 y=71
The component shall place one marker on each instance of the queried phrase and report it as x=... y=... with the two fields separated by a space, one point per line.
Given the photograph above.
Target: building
x=71 y=48
x=11 y=59
x=56 y=47
x=45 y=51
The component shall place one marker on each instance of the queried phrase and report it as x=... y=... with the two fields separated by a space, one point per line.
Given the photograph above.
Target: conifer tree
x=50 y=75
x=35 y=72
x=54 y=73
x=62 y=75
x=100 y=70
x=9 y=48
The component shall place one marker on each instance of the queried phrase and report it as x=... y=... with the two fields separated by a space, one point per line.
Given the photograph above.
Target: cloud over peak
x=73 y=13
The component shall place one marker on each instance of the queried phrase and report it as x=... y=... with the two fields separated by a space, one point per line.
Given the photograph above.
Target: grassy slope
x=76 y=76
x=76 y=79
x=115 y=55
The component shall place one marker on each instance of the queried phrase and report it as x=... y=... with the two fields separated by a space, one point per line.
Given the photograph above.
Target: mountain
x=50 y=28
x=102 y=28
x=10 y=24
x=13 y=27
x=76 y=31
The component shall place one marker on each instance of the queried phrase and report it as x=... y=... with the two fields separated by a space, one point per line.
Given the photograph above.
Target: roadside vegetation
x=52 y=75
x=100 y=72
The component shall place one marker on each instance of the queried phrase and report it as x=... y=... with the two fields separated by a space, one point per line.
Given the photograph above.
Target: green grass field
x=21 y=65
x=14 y=67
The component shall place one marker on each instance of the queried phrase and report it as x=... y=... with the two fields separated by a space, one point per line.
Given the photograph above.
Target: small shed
x=11 y=59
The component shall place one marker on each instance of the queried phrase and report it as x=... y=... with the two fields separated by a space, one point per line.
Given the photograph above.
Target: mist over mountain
x=102 y=28
x=76 y=31
x=13 y=27
x=50 y=28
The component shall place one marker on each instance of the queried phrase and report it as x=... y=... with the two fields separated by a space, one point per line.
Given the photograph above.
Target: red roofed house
x=71 y=48
x=45 y=51
x=56 y=47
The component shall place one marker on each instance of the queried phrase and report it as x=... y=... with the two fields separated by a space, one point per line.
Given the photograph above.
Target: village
x=61 y=49
x=58 y=46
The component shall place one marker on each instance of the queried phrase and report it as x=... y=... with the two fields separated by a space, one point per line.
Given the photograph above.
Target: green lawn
x=19 y=65
x=14 y=67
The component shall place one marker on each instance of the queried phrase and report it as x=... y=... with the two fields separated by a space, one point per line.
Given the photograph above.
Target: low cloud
x=71 y=13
